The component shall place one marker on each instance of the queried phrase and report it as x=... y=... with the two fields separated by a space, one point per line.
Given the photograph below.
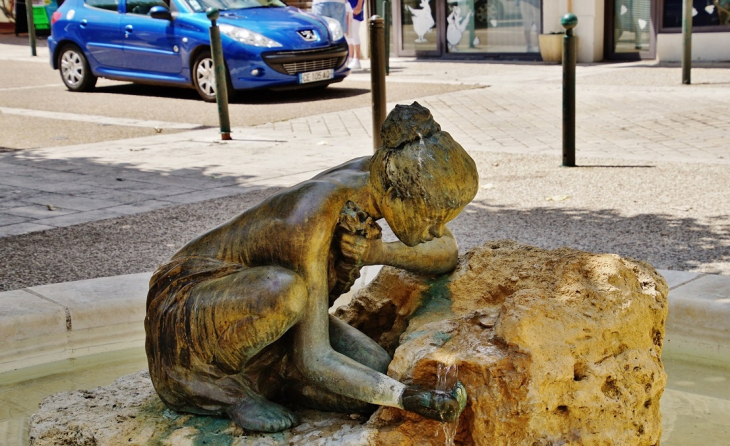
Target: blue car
x=266 y=44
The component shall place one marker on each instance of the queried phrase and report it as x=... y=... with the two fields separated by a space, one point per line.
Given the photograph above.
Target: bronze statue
x=238 y=318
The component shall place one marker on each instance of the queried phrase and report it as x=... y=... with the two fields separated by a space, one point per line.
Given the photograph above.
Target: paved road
x=654 y=181
x=38 y=110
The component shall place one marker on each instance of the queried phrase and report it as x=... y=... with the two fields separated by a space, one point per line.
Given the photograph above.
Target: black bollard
x=377 y=76
x=569 y=21
x=221 y=89
x=387 y=21
x=687 y=42
x=31 y=27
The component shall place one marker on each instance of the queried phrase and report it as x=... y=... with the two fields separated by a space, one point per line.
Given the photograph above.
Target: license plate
x=316 y=76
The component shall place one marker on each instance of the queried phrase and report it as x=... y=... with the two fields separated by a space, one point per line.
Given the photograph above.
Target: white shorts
x=353 y=33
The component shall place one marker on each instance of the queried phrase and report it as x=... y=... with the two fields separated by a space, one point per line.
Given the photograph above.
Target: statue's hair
x=418 y=160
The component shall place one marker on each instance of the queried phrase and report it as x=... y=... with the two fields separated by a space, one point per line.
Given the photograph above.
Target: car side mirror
x=160 y=12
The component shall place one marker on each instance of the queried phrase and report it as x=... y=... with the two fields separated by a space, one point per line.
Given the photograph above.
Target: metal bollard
x=387 y=20
x=569 y=21
x=219 y=66
x=687 y=42
x=377 y=76
x=31 y=26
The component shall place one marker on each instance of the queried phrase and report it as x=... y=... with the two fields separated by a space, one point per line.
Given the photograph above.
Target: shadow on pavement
x=241 y=97
x=665 y=241
x=140 y=242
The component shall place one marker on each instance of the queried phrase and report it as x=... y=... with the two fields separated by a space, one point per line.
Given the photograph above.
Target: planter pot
x=551 y=47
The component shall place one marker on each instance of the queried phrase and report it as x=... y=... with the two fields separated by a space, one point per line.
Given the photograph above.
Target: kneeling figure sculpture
x=237 y=321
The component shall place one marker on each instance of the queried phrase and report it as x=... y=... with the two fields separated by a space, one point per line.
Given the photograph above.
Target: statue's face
x=413 y=221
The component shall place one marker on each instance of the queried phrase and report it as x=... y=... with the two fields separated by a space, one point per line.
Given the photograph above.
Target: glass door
x=418 y=33
x=631 y=29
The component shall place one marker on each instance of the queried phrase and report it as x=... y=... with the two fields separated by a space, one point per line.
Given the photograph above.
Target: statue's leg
x=235 y=317
x=354 y=344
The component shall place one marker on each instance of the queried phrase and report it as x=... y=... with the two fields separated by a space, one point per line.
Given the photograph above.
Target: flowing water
x=446 y=378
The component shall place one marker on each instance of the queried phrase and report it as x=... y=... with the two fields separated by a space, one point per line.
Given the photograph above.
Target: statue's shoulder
x=356 y=165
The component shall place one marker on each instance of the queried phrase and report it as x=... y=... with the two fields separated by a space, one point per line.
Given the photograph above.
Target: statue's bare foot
x=255 y=413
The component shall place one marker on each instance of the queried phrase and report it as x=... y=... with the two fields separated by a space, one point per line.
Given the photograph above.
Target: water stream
x=446 y=378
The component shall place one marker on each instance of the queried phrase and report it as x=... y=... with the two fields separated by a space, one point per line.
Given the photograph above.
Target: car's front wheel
x=204 y=77
x=74 y=69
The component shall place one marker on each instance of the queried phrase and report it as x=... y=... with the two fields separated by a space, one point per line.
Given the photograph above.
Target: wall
x=590 y=27
x=705 y=46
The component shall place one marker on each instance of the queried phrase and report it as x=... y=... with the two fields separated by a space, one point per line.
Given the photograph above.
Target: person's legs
x=220 y=324
x=530 y=19
x=354 y=40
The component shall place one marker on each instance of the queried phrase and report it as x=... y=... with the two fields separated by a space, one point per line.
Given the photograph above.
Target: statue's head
x=424 y=177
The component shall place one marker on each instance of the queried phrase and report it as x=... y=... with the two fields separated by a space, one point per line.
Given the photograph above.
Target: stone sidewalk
x=633 y=111
x=630 y=111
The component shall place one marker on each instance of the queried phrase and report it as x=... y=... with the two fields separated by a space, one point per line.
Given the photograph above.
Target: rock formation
x=553 y=346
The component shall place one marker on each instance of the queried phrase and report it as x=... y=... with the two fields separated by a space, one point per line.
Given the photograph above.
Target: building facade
x=511 y=29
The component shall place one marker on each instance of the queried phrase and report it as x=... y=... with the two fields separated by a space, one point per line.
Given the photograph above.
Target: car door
x=150 y=45
x=100 y=31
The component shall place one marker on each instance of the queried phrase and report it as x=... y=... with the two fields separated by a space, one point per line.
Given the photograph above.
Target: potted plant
x=551 y=46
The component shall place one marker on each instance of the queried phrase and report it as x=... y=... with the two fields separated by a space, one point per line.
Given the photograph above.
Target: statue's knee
x=292 y=290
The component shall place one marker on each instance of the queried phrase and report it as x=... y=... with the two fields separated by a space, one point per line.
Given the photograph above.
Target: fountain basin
x=83 y=334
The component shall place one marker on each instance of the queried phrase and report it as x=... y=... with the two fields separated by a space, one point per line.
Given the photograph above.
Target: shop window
x=706 y=14
x=470 y=26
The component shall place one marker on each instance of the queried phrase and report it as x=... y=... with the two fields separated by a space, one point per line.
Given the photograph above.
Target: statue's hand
x=435 y=404
x=360 y=250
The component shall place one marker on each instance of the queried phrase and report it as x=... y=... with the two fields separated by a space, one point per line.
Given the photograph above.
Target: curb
x=69 y=320
x=74 y=319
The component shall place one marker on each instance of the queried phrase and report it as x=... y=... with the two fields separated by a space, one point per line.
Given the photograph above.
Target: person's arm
x=434 y=257
x=358 y=7
x=315 y=358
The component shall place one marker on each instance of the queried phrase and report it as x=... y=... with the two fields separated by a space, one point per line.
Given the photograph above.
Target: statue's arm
x=316 y=359
x=337 y=373
x=434 y=257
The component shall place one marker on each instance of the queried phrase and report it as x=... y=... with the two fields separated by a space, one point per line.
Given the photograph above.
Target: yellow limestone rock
x=555 y=347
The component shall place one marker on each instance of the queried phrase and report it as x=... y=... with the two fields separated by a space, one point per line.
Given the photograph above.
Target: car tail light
x=54 y=18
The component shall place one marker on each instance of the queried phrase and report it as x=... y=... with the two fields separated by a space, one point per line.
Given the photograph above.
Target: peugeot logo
x=308 y=35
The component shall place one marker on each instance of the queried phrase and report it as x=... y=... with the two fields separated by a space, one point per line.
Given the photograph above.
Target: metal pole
x=31 y=26
x=377 y=76
x=219 y=66
x=569 y=21
x=387 y=13
x=687 y=42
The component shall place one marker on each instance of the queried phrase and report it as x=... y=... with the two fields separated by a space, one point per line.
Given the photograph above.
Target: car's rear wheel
x=204 y=77
x=74 y=69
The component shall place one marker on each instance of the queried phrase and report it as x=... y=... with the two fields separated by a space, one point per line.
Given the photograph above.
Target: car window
x=109 y=5
x=143 y=7
x=222 y=5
